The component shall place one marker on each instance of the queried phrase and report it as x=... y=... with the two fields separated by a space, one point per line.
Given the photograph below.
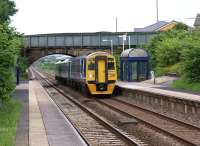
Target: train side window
x=111 y=66
x=83 y=67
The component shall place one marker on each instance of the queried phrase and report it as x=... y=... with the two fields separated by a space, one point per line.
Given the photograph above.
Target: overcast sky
x=61 y=16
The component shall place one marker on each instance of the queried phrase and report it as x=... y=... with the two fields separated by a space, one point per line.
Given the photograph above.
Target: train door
x=101 y=73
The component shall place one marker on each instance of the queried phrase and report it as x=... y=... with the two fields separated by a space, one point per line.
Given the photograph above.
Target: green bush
x=174 y=69
x=191 y=57
x=7 y=9
x=183 y=83
x=176 y=51
x=168 y=52
x=165 y=47
x=10 y=42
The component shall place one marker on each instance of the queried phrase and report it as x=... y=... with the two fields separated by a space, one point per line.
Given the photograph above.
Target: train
x=94 y=73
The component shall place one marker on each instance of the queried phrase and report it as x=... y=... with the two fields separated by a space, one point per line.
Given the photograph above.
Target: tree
x=151 y=48
x=178 y=51
x=165 y=48
x=181 y=26
x=168 y=52
x=191 y=57
x=7 y=9
x=10 y=43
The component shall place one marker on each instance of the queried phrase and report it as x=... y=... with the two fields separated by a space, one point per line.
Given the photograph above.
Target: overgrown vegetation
x=10 y=41
x=165 y=48
x=7 y=9
x=117 y=54
x=191 y=57
x=9 y=115
x=186 y=85
x=23 y=65
x=177 y=51
x=10 y=44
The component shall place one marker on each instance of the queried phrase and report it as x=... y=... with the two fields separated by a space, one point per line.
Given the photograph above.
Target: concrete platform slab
x=21 y=93
x=47 y=123
x=152 y=89
x=37 y=133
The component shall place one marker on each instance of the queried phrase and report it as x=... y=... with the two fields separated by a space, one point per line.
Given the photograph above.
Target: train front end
x=101 y=73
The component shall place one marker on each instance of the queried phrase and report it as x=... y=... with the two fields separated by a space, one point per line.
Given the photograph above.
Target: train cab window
x=111 y=66
x=91 y=66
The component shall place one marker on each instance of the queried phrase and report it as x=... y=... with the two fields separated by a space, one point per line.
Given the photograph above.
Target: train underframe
x=85 y=88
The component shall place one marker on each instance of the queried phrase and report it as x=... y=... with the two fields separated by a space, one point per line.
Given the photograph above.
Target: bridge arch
x=37 y=46
x=34 y=54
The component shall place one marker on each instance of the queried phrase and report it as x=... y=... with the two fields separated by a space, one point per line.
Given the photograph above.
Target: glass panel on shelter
x=142 y=66
x=134 y=65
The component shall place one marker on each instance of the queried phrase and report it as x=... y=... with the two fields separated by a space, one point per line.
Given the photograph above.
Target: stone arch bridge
x=37 y=46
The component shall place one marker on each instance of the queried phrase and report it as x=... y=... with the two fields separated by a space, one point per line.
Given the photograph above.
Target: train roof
x=89 y=55
x=81 y=57
x=63 y=61
x=99 y=52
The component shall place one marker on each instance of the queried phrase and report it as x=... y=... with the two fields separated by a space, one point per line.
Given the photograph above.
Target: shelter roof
x=134 y=52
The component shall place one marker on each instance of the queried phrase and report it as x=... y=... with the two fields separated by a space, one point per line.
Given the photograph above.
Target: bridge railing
x=85 y=39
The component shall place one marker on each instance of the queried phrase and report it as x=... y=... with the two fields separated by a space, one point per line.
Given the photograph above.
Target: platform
x=152 y=96
x=47 y=125
x=21 y=93
x=155 y=89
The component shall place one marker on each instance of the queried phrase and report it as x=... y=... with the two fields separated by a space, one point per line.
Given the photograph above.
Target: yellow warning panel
x=101 y=71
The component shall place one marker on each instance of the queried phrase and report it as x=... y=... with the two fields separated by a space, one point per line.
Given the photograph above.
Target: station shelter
x=134 y=65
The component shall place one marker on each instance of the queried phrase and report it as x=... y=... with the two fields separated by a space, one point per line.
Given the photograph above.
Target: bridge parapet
x=85 y=39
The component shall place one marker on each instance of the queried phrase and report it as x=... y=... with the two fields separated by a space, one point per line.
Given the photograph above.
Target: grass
x=183 y=84
x=176 y=68
x=9 y=117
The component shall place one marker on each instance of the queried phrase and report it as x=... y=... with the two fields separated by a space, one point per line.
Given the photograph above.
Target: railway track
x=156 y=113
x=93 y=128
x=184 y=132
x=187 y=133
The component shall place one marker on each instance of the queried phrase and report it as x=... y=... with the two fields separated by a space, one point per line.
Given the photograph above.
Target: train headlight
x=90 y=76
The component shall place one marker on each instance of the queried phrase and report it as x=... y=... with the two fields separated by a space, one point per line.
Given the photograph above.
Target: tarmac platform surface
x=47 y=125
x=155 y=89
x=21 y=93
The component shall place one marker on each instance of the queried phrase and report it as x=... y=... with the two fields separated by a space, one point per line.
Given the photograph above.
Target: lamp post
x=129 y=40
x=123 y=39
x=157 y=10
x=111 y=44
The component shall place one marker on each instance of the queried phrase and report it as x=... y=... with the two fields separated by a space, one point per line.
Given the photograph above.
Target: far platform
x=162 y=99
x=156 y=89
